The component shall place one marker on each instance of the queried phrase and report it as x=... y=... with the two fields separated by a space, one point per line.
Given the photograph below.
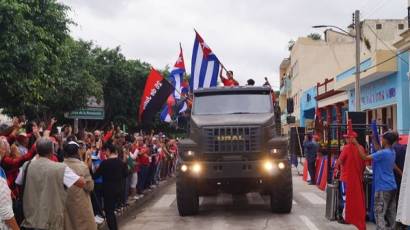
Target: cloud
x=249 y=37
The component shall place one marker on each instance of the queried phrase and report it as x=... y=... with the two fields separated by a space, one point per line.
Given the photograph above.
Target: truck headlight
x=281 y=165
x=268 y=165
x=196 y=168
x=184 y=168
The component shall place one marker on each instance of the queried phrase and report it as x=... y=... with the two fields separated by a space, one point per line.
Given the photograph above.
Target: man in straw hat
x=351 y=177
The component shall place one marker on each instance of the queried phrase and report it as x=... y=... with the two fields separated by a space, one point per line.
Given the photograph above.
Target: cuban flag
x=177 y=74
x=205 y=65
x=166 y=113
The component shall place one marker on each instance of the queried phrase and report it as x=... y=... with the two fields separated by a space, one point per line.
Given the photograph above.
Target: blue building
x=384 y=86
x=307 y=106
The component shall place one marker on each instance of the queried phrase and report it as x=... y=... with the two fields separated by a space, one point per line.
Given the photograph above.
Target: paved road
x=225 y=211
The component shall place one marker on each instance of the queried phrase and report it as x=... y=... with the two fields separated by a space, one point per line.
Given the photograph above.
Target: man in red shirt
x=229 y=80
x=351 y=182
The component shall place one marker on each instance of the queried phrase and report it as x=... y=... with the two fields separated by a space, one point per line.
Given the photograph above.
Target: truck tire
x=281 y=195
x=187 y=197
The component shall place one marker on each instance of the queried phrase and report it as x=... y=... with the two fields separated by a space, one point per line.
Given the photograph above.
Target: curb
x=135 y=206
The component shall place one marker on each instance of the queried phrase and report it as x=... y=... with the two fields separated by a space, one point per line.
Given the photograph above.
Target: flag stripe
x=209 y=71
x=177 y=79
x=202 y=73
x=197 y=56
x=214 y=80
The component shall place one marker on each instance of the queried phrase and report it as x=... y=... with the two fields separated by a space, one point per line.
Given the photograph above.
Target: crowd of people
x=386 y=158
x=52 y=178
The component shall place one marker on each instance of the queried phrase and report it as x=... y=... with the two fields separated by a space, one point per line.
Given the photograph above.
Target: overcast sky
x=249 y=37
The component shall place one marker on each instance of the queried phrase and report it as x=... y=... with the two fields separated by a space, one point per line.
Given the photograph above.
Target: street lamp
x=336 y=27
x=357 y=40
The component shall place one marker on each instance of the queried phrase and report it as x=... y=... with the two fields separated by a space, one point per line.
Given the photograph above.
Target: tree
x=44 y=72
x=123 y=82
x=315 y=36
x=42 y=69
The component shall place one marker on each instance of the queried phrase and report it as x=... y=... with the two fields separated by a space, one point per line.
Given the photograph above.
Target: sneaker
x=99 y=220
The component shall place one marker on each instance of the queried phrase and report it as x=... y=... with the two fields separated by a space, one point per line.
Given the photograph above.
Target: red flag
x=156 y=92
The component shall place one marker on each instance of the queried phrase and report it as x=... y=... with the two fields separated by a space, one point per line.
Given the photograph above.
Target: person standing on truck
x=250 y=82
x=311 y=149
x=352 y=198
x=229 y=80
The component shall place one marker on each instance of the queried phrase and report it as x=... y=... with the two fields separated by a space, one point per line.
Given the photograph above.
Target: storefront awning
x=341 y=97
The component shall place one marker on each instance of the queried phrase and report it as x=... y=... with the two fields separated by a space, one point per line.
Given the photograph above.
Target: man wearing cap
x=352 y=197
x=78 y=209
x=384 y=181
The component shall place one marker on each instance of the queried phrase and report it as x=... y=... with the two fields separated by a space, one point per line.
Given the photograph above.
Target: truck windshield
x=233 y=103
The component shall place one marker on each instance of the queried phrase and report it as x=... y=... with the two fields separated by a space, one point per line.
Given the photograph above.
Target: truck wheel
x=281 y=195
x=187 y=197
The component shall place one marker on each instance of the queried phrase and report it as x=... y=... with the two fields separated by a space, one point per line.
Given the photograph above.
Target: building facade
x=324 y=69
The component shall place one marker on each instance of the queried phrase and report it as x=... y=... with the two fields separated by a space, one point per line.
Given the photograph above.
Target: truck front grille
x=231 y=139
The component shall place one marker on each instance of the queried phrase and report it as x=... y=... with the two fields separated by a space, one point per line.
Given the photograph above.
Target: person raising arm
x=384 y=181
x=229 y=80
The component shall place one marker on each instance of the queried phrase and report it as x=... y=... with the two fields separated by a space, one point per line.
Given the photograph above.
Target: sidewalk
x=136 y=204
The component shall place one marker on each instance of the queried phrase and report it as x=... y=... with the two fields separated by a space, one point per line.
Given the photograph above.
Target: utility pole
x=408 y=14
x=357 y=38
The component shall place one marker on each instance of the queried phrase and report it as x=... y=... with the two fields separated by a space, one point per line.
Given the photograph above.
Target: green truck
x=233 y=147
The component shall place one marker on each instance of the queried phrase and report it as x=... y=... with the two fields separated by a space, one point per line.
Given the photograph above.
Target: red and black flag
x=157 y=89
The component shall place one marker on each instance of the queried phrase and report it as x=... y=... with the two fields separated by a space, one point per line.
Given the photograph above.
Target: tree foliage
x=42 y=69
x=45 y=72
x=315 y=36
x=122 y=82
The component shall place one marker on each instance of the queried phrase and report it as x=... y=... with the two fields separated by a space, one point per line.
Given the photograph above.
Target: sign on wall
x=376 y=94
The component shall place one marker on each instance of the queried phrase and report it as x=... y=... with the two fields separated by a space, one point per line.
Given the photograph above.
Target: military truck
x=233 y=147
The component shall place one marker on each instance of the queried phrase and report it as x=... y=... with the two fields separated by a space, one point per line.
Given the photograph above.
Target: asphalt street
x=250 y=211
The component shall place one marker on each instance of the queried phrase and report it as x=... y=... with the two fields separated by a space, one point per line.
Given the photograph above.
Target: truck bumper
x=233 y=170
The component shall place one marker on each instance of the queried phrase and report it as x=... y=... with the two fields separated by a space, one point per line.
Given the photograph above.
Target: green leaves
x=31 y=33
x=44 y=72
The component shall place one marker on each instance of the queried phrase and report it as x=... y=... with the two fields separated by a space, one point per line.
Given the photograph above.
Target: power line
x=380 y=63
x=385 y=44
x=375 y=9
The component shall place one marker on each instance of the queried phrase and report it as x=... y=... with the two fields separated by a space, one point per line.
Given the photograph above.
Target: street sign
x=87 y=114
